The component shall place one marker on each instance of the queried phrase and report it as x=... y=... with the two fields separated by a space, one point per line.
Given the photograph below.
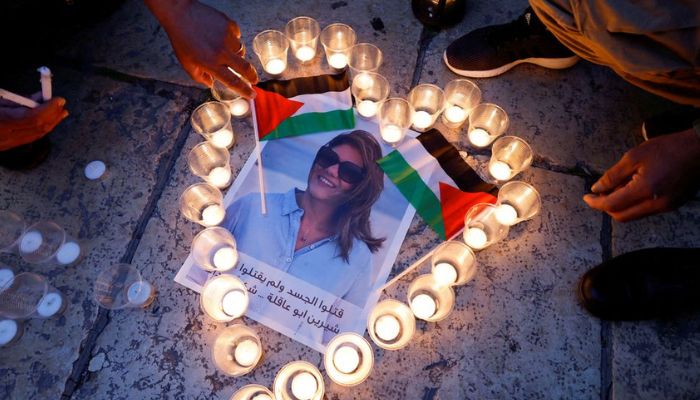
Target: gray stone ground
x=516 y=332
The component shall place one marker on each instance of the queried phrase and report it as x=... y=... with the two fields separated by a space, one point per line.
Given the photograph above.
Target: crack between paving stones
x=606 y=343
x=164 y=171
x=426 y=36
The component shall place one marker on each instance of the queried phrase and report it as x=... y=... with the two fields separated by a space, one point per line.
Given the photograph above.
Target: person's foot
x=493 y=50
x=644 y=284
x=674 y=120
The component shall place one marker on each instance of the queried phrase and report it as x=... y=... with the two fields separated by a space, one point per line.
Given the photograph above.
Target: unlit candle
x=49 y=305
x=31 y=241
x=138 y=293
x=8 y=331
x=6 y=277
x=68 y=253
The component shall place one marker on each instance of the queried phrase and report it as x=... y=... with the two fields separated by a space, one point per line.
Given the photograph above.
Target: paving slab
x=657 y=359
x=133 y=129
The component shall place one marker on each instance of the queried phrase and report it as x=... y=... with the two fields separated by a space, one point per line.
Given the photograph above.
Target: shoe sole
x=551 y=63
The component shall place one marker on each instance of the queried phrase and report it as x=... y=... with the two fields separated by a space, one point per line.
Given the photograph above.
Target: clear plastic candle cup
x=364 y=57
x=337 y=39
x=453 y=263
x=213 y=121
x=271 y=47
x=203 y=203
x=11 y=228
x=214 y=249
x=430 y=300
x=348 y=359
x=486 y=122
x=121 y=286
x=210 y=163
x=510 y=156
x=428 y=102
x=237 y=350
x=224 y=298
x=45 y=242
x=370 y=90
x=303 y=33
x=29 y=295
x=253 y=392
x=517 y=202
x=482 y=228
x=239 y=106
x=461 y=96
x=299 y=380
x=394 y=118
x=391 y=324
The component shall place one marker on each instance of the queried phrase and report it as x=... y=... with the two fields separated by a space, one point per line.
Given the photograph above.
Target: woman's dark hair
x=352 y=218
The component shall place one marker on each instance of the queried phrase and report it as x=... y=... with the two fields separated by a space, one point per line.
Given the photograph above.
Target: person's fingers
x=640 y=210
x=235 y=82
x=617 y=175
x=634 y=192
x=243 y=67
x=27 y=118
x=233 y=29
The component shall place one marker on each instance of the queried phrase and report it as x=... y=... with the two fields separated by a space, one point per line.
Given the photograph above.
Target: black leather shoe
x=644 y=284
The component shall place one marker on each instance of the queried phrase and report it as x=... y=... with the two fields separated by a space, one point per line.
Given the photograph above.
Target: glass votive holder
x=224 y=298
x=213 y=121
x=517 y=202
x=237 y=350
x=214 y=249
x=369 y=90
x=337 y=39
x=121 y=286
x=11 y=228
x=364 y=57
x=210 y=163
x=453 y=263
x=348 y=359
x=47 y=243
x=253 y=392
x=427 y=101
x=303 y=33
x=486 y=122
x=203 y=203
x=461 y=96
x=29 y=295
x=394 y=118
x=271 y=48
x=10 y=331
x=429 y=300
x=510 y=155
x=298 y=380
x=481 y=227
x=238 y=106
x=391 y=324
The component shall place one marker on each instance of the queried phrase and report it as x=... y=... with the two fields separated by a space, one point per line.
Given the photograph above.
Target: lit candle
x=246 y=352
x=222 y=138
x=387 y=327
x=220 y=177
x=455 y=114
x=422 y=119
x=305 y=53
x=392 y=134
x=234 y=303
x=423 y=306
x=500 y=170
x=475 y=238
x=367 y=108
x=346 y=359
x=68 y=253
x=261 y=396
x=213 y=215
x=362 y=81
x=479 y=137
x=506 y=214
x=338 y=60
x=139 y=293
x=31 y=241
x=275 y=66
x=445 y=273
x=225 y=258
x=49 y=305
x=8 y=331
x=239 y=107
x=304 y=386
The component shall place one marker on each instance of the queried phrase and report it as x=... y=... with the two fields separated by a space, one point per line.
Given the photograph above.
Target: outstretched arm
x=21 y=125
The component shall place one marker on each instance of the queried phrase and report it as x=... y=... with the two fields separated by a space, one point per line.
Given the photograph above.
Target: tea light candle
x=9 y=331
x=247 y=352
x=49 y=305
x=213 y=215
x=31 y=241
x=367 y=108
x=506 y=214
x=253 y=392
x=220 y=177
x=422 y=120
x=6 y=277
x=346 y=359
x=225 y=258
x=305 y=53
x=304 y=385
x=479 y=137
x=445 y=273
x=68 y=253
x=392 y=134
x=500 y=170
x=423 y=306
x=139 y=293
x=338 y=60
x=222 y=138
x=362 y=81
x=239 y=107
x=261 y=396
x=387 y=327
x=234 y=303
x=275 y=66
x=95 y=170
x=475 y=238
x=455 y=114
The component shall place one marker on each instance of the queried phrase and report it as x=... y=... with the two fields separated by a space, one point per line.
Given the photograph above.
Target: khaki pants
x=653 y=44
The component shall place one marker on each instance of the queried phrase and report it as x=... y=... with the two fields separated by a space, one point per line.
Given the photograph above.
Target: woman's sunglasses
x=347 y=171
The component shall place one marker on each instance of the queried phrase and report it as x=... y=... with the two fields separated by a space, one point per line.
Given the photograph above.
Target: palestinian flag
x=435 y=179
x=302 y=106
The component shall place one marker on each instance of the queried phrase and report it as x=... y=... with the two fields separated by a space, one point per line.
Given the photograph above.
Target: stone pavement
x=516 y=332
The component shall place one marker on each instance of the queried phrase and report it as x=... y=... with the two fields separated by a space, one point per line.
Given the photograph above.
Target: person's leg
x=643 y=284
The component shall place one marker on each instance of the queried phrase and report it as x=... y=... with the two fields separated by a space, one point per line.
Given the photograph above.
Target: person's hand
x=207 y=43
x=21 y=125
x=656 y=176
